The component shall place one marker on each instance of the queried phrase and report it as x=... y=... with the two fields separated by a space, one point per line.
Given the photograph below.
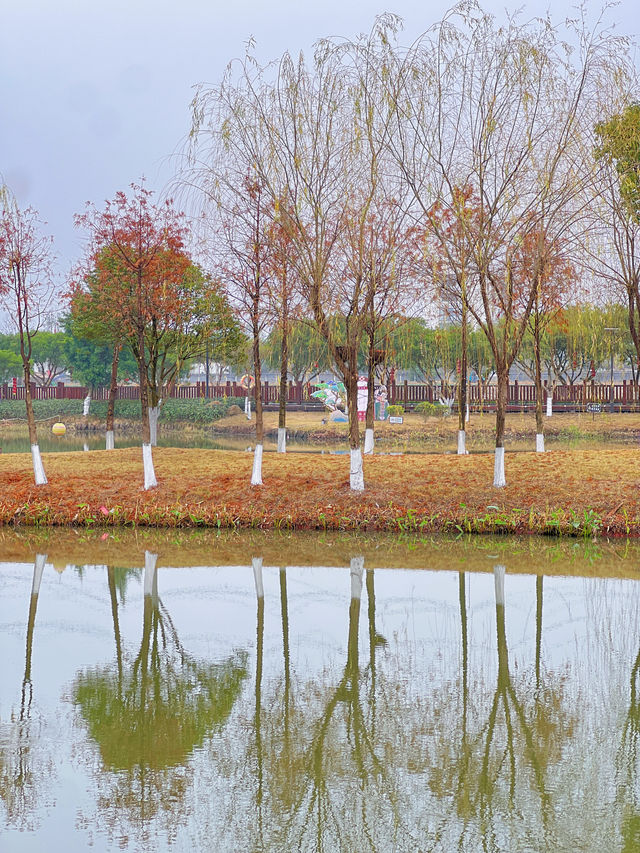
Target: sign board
x=394 y=419
x=595 y=408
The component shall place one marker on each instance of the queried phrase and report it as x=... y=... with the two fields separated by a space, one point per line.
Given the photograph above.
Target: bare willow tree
x=303 y=129
x=498 y=110
x=246 y=217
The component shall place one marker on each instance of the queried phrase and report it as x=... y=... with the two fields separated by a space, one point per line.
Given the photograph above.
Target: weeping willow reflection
x=23 y=760
x=147 y=716
x=510 y=744
x=628 y=765
x=322 y=778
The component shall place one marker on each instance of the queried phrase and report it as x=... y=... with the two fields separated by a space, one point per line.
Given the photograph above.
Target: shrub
x=395 y=411
x=430 y=410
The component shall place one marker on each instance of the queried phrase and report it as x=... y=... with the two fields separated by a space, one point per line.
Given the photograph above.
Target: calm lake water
x=341 y=693
x=73 y=443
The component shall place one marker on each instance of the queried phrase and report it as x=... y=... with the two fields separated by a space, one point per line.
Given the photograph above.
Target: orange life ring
x=247 y=381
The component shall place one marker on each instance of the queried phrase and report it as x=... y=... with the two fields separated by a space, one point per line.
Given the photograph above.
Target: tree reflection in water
x=510 y=745
x=24 y=759
x=628 y=765
x=432 y=740
x=322 y=778
x=148 y=716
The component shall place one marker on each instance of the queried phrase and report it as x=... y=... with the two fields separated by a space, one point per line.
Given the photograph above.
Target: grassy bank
x=577 y=493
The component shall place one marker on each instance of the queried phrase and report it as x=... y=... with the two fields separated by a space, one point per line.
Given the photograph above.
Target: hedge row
x=199 y=411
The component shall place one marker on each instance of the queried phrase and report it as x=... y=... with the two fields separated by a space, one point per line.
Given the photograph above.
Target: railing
x=521 y=397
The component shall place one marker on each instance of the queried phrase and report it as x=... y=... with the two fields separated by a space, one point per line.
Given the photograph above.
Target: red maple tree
x=137 y=261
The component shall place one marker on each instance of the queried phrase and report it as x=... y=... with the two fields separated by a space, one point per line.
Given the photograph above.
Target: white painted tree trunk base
x=356 y=476
x=154 y=414
x=256 y=473
x=150 y=560
x=38 y=570
x=256 y=563
x=549 y=406
x=539 y=442
x=467 y=416
x=462 y=443
x=110 y=443
x=86 y=405
x=150 y=481
x=498 y=468
x=85 y=447
x=369 y=442
x=38 y=467
x=247 y=408
x=282 y=439
x=356 y=569
x=498 y=578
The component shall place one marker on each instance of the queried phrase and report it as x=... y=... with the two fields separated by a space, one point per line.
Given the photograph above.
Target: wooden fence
x=626 y=395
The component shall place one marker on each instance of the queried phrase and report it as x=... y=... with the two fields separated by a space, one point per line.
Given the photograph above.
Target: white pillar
x=256 y=473
x=149 y=474
x=356 y=478
x=38 y=467
x=282 y=439
x=498 y=468
x=368 y=440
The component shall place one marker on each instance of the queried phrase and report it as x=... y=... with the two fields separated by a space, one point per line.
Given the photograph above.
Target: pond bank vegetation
x=575 y=492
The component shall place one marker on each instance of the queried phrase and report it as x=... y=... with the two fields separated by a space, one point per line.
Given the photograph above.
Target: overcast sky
x=96 y=94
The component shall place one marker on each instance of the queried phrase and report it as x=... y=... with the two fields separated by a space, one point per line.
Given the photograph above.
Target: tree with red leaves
x=26 y=294
x=140 y=286
x=545 y=267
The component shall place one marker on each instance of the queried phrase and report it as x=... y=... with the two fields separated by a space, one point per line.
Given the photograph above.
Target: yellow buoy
x=58 y=429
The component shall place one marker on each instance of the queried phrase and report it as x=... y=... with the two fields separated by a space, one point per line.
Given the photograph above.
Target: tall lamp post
x=612 y=330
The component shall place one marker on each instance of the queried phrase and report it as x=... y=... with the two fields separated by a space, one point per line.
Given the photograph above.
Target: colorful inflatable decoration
x=247 y=381
x=58 y=429
x=332 y=394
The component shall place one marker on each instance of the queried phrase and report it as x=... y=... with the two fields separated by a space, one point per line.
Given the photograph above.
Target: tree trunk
x=539 y=388
x=370 y=412
x=256 y=473
x=150 y=481
x=356 y=477
x=462 y=386
x=111 y=404
x=284 y=370
x=501 y=411
x=38 y=468
x=154 y=414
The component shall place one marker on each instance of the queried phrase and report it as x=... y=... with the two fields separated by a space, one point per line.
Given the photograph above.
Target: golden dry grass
x=581 y=491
